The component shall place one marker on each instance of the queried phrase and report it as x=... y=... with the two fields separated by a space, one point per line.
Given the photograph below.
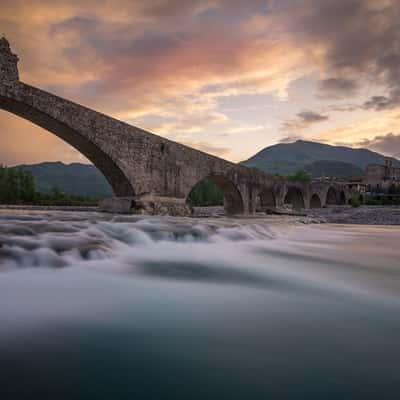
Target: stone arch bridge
x=141 y=166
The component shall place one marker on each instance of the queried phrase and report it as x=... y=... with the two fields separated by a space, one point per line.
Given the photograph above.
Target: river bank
x=363 y=215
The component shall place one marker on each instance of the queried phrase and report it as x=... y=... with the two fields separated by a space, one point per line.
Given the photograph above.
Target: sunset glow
x=227 y=77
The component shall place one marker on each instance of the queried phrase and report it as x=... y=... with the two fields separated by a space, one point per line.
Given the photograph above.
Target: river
x=132 y=307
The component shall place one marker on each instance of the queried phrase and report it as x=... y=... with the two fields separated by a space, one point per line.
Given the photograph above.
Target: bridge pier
x=147 y=205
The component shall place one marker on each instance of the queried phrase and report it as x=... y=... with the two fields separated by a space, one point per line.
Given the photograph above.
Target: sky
x=229 y=77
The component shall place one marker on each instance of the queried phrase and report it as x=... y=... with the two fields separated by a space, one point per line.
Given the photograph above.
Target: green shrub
x=355 y=201
x=373 y=201
x=205 y=193
x=300 y=176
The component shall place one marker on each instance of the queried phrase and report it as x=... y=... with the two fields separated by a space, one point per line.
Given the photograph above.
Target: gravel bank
x=364 y=215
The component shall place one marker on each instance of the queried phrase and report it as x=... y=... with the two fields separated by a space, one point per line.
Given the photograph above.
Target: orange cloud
x=130 y=62
x=362 y=129
x=167 y=65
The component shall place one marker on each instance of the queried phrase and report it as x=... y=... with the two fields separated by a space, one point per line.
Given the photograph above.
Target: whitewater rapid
x=196 y=308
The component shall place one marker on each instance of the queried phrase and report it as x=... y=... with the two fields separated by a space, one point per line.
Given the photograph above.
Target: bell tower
x=8 y=64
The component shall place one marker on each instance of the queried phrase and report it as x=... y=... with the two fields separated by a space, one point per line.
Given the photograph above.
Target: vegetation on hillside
x=17 y=186
x=77 y=179
x=337 y=169
x=300 y=176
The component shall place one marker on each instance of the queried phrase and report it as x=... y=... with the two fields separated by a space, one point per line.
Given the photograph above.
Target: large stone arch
x=295 y=197
x=315 y=201
x=114 y=175
x=59 y=117
x=233 y=200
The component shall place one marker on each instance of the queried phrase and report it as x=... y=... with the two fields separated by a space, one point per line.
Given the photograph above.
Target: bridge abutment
x=147 y=205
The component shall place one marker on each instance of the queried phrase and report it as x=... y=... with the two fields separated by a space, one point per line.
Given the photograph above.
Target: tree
x=300 y=176
x=205 y=193
x=394 y=189
x=16 y=186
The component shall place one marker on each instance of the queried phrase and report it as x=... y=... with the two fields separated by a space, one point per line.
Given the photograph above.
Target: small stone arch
x=266 y=200
x=342 y=198
x=294 y=196
x=315 y=201
x=233 y=201
x=331 y=196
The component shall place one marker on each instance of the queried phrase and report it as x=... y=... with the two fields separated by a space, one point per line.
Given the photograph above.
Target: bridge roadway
x=142 y=166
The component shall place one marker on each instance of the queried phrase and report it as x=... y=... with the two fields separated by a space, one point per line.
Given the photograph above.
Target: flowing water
x=125 y=307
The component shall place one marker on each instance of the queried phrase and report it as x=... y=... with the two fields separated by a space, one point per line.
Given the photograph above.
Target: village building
x=379 y=178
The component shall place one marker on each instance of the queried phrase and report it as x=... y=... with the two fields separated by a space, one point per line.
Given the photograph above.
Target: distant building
x=378 y=178
x=356 y=184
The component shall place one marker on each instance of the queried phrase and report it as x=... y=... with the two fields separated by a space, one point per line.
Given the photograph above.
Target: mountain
x=339 y=169
x=78 y=179
x=288 y=158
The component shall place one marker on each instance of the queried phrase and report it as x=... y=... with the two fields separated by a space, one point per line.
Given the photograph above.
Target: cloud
x=157 y=50
x=190 y=125
x=337 y=87
x=158 y=59
x=386 y=144
x=290 y=139
x=171 y=63
x=355 y=45
x=379 y=103
x=303 y=120
x=310 y=117
x=352 y=40
x=357 y=130
x=219 y=151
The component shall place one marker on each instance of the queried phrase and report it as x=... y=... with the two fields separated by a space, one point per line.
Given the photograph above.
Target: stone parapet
x=8 y=64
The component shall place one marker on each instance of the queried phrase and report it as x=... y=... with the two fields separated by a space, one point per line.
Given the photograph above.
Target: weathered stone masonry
x=138 y=164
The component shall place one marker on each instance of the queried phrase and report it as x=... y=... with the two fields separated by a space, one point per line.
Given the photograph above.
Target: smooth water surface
x=95 y=306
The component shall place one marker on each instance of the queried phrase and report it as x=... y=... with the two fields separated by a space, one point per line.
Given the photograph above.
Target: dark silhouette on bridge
x=141 y=166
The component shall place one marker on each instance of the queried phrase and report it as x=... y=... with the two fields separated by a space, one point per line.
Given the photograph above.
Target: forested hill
x=76 y=179
x=338 y=169
x=288 y=158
